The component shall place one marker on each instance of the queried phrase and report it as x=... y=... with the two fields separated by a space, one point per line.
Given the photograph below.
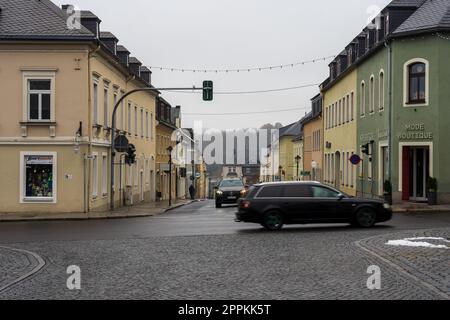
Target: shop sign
x=415 y=131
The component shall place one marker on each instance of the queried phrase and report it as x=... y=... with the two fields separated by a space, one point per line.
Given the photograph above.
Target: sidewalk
x=139 y=210
x=409 y=207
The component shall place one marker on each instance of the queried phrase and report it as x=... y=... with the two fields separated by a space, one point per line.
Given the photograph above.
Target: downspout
x=390 y=108
x=87 y=169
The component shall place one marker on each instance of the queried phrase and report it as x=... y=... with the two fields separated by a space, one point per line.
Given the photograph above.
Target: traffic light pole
x=113 y=133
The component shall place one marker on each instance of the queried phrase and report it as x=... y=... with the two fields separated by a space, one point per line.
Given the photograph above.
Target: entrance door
x=384 y=168
x=419 y=159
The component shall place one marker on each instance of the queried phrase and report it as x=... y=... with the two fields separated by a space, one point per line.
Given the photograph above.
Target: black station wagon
x=274 y=204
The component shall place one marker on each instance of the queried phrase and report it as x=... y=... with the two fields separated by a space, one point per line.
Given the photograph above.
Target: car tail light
x=245 y=204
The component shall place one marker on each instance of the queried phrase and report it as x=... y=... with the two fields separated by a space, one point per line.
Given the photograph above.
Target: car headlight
x=387 y=206
x=243 y=192
x=219 y=192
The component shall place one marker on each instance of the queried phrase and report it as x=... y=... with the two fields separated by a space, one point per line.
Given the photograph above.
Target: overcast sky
x=231 y=34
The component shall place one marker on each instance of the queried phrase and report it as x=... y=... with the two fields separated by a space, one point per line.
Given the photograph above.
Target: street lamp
x=297 y=160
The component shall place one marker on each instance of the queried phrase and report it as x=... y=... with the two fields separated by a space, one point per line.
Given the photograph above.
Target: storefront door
x=418 y=173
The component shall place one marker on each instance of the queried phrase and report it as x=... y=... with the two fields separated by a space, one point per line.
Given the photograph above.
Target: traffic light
x=365 y=148
x=130 y=157
x=207 y=90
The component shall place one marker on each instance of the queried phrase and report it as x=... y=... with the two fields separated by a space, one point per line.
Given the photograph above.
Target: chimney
x=110 y=41
x=135 y=66
x=123 y=54
x=146 y=74
x=91 y=22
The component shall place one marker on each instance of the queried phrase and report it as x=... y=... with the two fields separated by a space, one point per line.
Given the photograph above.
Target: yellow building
x=339 y=111
x=287 y=163
x=59 y=87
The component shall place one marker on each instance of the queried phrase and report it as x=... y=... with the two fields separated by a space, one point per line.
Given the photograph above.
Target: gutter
x=388 y=45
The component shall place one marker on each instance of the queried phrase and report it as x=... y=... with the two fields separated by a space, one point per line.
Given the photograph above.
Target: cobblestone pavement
x=307 y=262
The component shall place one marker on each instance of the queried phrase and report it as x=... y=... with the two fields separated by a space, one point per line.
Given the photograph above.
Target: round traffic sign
x=355 y=159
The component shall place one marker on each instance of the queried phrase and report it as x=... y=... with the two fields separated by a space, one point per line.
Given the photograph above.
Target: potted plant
x=432 y=186
x=387 y=192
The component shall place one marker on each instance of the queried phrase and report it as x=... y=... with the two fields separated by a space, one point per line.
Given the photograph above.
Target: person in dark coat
x=192 y=192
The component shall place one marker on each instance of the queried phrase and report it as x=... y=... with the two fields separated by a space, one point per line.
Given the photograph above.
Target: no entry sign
x=355 y=159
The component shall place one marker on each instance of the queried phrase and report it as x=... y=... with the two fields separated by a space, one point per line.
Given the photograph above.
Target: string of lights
x=245 y=113
x=254 y=92
x=237 y=70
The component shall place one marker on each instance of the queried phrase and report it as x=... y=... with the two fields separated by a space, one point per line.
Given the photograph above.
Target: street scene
x=203 y=151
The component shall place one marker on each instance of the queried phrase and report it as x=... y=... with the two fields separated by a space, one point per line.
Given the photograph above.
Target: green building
x=403 y=100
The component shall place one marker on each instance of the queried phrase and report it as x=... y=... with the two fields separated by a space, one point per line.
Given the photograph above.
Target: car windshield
x=231 y=183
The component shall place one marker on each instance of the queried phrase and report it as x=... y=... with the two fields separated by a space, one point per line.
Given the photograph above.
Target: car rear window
x=297 y=191
x=270 y=192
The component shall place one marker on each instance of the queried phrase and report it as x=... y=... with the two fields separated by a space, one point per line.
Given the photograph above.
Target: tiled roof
x=107 y=35
x=145 y=69
x=37 y=19
x=293 y=130
x=121 y=48
x=134 y=60
x=433 y=14
x=406 y=3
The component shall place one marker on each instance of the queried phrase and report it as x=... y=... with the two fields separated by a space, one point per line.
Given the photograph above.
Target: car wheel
x=273 y=221
x=218 y=205
x=366 y=217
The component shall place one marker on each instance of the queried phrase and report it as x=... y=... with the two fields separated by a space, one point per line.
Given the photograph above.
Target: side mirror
x=341 y=196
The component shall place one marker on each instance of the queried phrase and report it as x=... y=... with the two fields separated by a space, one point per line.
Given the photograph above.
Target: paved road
x=198 y=252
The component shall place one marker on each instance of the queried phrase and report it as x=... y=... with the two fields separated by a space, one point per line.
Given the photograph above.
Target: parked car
x=229 y=191
x=275 y=204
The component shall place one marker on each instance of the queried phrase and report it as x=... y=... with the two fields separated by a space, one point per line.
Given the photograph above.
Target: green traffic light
x=208 y=88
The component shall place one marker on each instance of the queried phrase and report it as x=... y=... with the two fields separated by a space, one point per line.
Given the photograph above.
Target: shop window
x=38 y=177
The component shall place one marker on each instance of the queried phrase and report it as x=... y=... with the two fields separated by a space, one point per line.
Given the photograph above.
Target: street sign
x=121 y=143
x=355 y=159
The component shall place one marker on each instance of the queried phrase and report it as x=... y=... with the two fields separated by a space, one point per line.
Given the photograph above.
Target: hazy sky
x=235 y=34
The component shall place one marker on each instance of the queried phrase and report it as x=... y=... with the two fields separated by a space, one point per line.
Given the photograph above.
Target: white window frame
x=352 y=106
x=95 y=110
x=38 y=75
x=147 y=125
x=129 y=119
x=135 y=131
x=372 y=94
x=22 y=193
x=406 y=83
x=104 y=174
x=122 y=111
x=381 y=90
x=151 y=126
x=94 y=175
x=362 y=95
x=106 y=105
x=142 y=122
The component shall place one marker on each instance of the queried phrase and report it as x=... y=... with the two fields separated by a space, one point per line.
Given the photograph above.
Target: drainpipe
x=390 y=108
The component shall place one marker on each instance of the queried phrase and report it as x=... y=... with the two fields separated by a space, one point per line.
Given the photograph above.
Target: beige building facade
x=57 y=99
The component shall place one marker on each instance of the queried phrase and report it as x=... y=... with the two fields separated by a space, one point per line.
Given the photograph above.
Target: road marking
x=400 y=269
x=40 y=261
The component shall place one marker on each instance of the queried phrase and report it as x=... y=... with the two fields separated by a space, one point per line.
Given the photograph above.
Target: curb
x=88 y=216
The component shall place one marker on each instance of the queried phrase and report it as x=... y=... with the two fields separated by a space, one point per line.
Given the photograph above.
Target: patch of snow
x=415 y=242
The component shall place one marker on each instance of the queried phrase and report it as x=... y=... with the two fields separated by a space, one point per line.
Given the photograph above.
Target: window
x=94 y=176
x=381 y=91
x=95 y=104
x=270 y=192
x=297 y=191
x=416 y=83
x=348 y=109
x=104 y=175
x=38 y=177
x=322 y=192
x=122 y=112
x=146 y=125
x=142 y=123
x=352 y=107
x=39 y=100
x=371 y=95
x=129 y=118
x=136 y=120
x=370 y=161
x=151 y=126
x=340 y=113
x=105 y=107
x=118 y=114
x=363 y=99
